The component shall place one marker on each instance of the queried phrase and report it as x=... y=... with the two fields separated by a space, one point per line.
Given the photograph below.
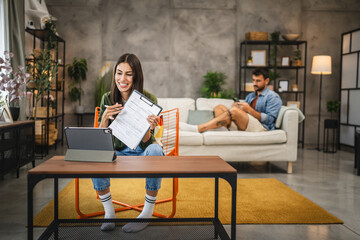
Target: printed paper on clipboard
x=130 y=125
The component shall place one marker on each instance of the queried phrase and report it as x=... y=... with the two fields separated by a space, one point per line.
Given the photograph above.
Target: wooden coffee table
x=135 y=167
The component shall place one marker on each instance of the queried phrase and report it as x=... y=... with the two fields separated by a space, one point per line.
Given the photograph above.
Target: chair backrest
x=170 y=136
x=97 y=112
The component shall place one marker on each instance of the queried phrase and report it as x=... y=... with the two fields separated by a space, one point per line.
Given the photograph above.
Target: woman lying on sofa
x=258 y=113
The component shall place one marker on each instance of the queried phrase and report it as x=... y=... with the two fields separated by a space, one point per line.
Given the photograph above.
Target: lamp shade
x=321 y=65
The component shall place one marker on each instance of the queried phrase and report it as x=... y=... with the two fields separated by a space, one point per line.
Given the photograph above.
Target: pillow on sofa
x=197 y=117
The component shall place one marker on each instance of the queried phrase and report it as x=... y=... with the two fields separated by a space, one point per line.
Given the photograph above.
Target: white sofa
x=236 y=146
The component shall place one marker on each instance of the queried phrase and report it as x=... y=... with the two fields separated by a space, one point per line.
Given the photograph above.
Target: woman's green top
x=117 y=143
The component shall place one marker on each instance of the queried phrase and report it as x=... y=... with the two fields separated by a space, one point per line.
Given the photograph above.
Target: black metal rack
x=245 y=50
x=58 y=117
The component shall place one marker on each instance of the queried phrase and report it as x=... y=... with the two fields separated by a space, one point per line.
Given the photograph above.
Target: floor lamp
x=321 y=65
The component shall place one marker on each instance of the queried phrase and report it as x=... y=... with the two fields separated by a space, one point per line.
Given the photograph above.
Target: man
x=258 y=113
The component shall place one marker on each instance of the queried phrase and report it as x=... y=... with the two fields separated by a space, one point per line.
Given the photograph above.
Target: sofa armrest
x=290 y=125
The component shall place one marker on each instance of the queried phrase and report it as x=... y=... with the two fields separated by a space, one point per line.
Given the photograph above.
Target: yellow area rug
x=259 y=201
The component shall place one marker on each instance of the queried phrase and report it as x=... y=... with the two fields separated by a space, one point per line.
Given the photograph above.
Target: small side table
x=357 y=151
x=80 y=117
x=330 y=124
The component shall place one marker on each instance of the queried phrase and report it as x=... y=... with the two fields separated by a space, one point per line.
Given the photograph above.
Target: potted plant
x=332 y=107
x=212 y=86
x=50 y=25
x=77 y=71
x=272 y=77
x=42 y=70
x=297 y=59
x=13 y=82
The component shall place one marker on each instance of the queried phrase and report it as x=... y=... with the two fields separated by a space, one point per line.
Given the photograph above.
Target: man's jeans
x=152 y=184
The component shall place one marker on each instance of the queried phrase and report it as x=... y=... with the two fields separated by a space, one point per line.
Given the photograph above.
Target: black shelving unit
x=245 y=72
x=58 y=93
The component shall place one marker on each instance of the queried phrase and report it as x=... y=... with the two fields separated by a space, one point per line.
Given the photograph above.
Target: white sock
x=188 y=127
x=109 y=211
x=146 y=213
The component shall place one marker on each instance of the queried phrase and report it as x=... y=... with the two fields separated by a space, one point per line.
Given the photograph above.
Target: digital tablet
x=89 y=144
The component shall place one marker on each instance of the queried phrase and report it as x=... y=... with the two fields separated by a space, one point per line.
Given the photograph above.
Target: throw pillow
x=197 y=117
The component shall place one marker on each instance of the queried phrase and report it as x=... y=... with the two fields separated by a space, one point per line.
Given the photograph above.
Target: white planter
x=79 y=109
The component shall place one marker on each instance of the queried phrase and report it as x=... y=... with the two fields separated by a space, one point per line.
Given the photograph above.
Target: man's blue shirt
x=268 y=104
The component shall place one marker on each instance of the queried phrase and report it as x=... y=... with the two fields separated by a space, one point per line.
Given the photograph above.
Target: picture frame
x=285 y=61
x=258 y=57
x=5 y=112
x=295 y=104
x=284 y=85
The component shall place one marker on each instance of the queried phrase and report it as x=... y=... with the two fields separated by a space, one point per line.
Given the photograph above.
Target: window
x=4 y=43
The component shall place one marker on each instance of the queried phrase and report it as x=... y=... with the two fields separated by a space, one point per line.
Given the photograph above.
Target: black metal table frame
x=231 y=178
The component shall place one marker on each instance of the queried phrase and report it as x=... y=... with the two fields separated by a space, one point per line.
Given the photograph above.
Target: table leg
x=216 y=234
x=232 y=180
x=30 y=208
x=56 y=207
x=31 y=182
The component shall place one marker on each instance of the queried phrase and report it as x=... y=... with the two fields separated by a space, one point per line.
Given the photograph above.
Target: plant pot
x=79 y=109
x=297 y=63
x=15 y=111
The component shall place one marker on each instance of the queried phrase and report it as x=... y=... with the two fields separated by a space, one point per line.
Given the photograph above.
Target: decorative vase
x=15 y=111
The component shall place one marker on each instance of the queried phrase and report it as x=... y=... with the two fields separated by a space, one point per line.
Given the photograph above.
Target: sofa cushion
x=246 y=138
x=184 y=105
x=197 y=117
x=190 y=138
x=210 y=103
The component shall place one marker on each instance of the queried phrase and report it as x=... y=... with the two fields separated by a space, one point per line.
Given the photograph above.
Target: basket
x=257 y=36
x=41 y=112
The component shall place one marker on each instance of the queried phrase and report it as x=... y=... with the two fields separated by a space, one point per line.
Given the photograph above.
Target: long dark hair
x=138 y=78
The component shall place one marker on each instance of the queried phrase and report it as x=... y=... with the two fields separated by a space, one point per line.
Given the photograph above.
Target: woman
x=128 y=76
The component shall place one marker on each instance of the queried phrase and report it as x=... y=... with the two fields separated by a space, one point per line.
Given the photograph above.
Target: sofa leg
x=289 y=167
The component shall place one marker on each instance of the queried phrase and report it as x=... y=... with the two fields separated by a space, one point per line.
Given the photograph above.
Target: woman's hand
x=109 y=114
x=153 y=120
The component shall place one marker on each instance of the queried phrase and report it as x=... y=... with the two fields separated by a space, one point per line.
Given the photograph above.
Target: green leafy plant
x=227 y=93
x=273 y=76
x=77 y=71
x=43 y=70
x=332 y=106
x=213 y=86
x=275 y=40
x=297 y=54
x=52 y=38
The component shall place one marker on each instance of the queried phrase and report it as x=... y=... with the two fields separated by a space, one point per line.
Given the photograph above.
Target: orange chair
x=170 y=142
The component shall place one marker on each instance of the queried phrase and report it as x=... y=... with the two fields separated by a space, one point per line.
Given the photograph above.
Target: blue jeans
x=152 y=184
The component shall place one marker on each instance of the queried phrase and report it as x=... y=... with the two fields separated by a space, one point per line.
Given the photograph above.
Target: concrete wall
x=178 y=41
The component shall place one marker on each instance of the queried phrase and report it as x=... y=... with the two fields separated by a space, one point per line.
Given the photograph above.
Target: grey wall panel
x=344 y=106
x=355 y=41
x=349 y=67
x=354 y=107
x=346 y=43
x=347 y=135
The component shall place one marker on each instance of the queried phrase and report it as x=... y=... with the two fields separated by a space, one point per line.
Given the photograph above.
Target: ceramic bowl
x=290 y=36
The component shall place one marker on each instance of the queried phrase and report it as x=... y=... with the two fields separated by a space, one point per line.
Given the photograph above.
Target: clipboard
x=89 y=144
x=130 y=125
